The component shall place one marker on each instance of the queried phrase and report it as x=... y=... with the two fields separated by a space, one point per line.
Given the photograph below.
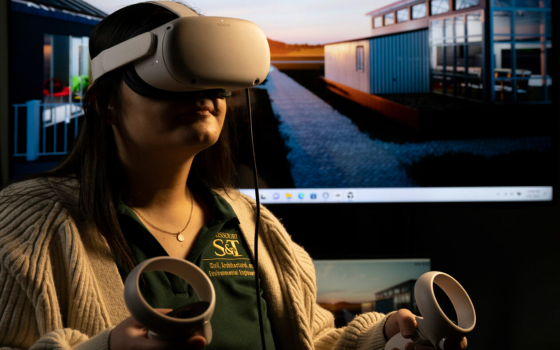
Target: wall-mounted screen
x=433 y=116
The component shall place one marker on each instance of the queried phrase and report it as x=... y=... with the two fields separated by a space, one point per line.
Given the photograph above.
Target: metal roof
x=76 y=6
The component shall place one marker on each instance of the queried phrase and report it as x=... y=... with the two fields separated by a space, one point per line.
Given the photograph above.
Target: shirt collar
x=218 y=207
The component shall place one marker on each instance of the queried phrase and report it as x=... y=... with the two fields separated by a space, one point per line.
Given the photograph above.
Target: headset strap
x=122 y=54
x=134 y=48
x=177 y=8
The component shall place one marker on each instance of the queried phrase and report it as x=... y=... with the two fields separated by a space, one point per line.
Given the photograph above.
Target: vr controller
x=434 y=327
x=181 y=322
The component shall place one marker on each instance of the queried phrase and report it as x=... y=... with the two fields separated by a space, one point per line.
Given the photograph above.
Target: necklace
x=178 y=235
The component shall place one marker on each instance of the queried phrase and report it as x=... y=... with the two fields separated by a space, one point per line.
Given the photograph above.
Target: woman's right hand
x=130 y=334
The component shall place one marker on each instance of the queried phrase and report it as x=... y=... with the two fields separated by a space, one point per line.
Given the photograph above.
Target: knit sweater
x=60 y=287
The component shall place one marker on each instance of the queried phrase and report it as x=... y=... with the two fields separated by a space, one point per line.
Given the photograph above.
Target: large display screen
x=427 y=115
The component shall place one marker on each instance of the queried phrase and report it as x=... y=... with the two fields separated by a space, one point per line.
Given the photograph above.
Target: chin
x=200 y=133
x=200 y=142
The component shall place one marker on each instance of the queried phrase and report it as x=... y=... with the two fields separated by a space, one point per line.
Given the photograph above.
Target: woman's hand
x=404 y=321
x=130 y=334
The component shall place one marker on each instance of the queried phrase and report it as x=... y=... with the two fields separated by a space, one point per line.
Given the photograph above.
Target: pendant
x=180 y=237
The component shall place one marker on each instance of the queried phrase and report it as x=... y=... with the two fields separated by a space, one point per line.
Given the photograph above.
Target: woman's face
x=181 y=127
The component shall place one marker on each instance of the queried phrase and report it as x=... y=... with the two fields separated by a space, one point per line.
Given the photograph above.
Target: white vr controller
x=434 y=327
x=189 y=318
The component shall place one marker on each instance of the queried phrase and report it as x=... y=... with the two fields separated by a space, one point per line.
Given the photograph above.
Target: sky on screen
x=291 y=21
x=357 y=281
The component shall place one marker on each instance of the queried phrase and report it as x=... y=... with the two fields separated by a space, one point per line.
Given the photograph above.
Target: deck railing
x=43 y=122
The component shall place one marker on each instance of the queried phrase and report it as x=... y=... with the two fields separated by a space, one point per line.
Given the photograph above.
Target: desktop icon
x=301 y=195
x=313 y=196
x=338 y=195
x=325 y=195
x=350 y=195
x=276 y=195
x=263 y=196
x=288 y=196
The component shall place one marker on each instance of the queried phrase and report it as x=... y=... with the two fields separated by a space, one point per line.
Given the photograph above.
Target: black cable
x=257 y=219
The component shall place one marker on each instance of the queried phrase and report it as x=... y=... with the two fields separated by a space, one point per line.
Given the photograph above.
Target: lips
x=204 y=108
x=199 y=111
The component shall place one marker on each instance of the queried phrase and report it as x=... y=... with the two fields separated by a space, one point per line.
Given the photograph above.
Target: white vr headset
x=190 y=53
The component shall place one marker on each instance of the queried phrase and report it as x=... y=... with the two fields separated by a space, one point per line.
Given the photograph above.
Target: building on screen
x=491 y=51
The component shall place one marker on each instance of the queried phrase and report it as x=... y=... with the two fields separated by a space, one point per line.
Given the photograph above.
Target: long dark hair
x=93 y=159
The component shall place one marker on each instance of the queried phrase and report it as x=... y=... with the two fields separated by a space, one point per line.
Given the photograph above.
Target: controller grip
x=398 y=342
x=205 y=329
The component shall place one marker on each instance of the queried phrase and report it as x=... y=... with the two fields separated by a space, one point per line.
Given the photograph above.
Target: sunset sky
x=357 y=281
x=290 y=21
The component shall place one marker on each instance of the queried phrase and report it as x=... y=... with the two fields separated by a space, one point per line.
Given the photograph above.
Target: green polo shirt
x=222 y=253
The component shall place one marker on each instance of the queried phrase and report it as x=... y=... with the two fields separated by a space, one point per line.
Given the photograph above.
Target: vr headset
x=188 y=54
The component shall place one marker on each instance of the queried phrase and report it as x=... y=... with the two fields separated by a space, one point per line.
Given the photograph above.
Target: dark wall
x=26 y=48
x=507 y=257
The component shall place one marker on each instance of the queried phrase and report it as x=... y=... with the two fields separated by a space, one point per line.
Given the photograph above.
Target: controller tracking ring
x=160 y=325
x=434 y=326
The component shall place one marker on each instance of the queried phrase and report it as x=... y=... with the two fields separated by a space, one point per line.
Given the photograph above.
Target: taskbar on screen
x=401 y=195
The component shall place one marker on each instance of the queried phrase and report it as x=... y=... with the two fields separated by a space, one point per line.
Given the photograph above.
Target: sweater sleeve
x=32 y=275
x=364 y=332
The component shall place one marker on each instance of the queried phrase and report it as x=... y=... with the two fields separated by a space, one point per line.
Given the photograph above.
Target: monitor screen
x=351 y=287
x=414 y=111
x=428 y=106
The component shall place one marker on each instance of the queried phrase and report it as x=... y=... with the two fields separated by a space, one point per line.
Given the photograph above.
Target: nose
x=219 y=93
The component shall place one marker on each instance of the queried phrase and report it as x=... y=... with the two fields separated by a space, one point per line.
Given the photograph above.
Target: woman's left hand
x=404 y=321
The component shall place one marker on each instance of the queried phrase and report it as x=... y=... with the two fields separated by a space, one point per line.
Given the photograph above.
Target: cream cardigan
x=60 y=288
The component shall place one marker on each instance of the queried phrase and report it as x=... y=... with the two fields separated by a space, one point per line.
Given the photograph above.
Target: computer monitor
x=454 y=105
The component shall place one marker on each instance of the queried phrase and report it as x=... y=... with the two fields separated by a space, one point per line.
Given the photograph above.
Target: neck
x=157 y=183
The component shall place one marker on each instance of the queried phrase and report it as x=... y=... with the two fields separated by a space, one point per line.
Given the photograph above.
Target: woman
x=146 y=177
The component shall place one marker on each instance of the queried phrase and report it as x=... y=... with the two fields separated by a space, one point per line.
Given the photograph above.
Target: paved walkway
x=328 y=150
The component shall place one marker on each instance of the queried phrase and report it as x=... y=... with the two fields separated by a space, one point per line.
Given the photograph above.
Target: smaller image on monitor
x=351 y=287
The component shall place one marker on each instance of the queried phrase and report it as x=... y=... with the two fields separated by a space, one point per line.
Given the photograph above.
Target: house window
x=459 y=29
x=402 y=15
x=378 y=22
x=419 y=11
x=533 y=3
x=389 y=19
x=463 y=4
x=65 y=67
x=436 y=31
x=439 y=6
x=456 y=58
x=448 y=30
x=521 y=52
x=502 y=3
x=360 y=58
x=474 y=27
